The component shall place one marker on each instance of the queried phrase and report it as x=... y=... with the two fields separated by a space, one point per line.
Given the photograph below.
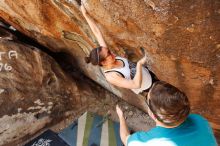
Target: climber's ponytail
x=94 y=56
x=87 y=60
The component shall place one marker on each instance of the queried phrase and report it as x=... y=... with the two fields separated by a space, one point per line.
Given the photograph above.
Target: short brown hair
x=169 y=105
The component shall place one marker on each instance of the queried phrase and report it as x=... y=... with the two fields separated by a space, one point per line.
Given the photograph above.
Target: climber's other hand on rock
x=142 y=60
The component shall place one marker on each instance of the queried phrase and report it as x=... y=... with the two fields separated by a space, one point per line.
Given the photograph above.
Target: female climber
x=117 y=70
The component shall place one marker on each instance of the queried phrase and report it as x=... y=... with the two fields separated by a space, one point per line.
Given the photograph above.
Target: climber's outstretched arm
x=93 y=27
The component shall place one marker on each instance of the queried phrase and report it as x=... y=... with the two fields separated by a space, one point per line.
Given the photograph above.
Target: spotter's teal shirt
x=195 y=131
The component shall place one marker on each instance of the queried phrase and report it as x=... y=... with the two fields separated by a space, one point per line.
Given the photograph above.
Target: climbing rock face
x=60 y=26
x=181 y=38
x=33 y=90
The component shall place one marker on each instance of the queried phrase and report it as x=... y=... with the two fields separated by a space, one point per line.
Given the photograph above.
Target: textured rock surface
x=33 y=90
x=60 y=26
x=182 y=39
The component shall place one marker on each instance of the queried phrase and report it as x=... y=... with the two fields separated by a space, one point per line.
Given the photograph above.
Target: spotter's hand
x=119 y=111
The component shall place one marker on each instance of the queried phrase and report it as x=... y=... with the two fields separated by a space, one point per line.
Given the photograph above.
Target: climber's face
x=107 y=54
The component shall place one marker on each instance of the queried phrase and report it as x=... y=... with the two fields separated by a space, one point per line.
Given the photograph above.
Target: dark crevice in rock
x=65 y=60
